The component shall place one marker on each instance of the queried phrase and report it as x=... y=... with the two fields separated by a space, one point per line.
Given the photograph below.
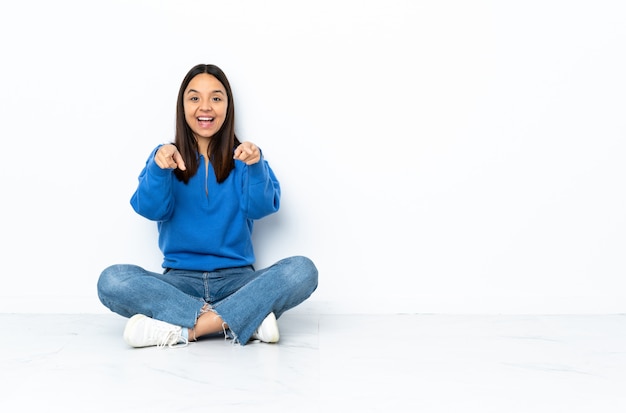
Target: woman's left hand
x=248 y=152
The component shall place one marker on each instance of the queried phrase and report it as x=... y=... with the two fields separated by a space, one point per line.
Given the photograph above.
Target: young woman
x=204 y=191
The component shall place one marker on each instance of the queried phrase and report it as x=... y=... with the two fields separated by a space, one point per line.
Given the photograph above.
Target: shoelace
x=171 y=339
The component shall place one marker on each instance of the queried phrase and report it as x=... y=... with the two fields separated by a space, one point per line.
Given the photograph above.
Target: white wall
x=435 y=156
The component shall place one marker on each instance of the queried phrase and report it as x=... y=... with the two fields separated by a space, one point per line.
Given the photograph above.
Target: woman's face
x=205 y=103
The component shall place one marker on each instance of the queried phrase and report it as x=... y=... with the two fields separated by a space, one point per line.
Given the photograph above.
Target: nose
x=206 y=105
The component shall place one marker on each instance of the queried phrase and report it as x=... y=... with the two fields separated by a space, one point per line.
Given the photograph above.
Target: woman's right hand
x=168 y=157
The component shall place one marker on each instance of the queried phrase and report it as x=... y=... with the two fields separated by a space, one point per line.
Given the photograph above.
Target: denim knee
x=305 y=273
x=111 y=281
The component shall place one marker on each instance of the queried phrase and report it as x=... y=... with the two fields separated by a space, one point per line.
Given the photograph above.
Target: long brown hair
x=221 y=145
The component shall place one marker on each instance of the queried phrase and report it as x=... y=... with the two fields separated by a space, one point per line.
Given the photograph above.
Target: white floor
x=352 y=363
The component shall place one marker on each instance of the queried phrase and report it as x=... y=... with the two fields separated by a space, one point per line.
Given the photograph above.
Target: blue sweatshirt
x=204 y=225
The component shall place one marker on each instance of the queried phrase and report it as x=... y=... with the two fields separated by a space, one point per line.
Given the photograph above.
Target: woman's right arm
x=153 y=199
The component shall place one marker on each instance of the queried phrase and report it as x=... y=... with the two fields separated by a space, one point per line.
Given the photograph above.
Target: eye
x=193 y=98
x=217 y=99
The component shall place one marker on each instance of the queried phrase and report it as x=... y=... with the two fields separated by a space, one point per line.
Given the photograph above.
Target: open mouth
x=205 y=122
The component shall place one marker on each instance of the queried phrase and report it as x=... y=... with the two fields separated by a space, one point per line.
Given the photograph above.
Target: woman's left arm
x=261 y=187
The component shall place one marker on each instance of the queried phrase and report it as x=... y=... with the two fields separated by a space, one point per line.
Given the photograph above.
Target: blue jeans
x=242 y=296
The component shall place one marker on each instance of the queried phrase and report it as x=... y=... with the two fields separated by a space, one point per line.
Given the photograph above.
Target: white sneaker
x=268 y=330
x=143 y=331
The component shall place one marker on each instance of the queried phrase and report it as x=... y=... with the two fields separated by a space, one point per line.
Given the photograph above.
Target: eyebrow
x=195 y=91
